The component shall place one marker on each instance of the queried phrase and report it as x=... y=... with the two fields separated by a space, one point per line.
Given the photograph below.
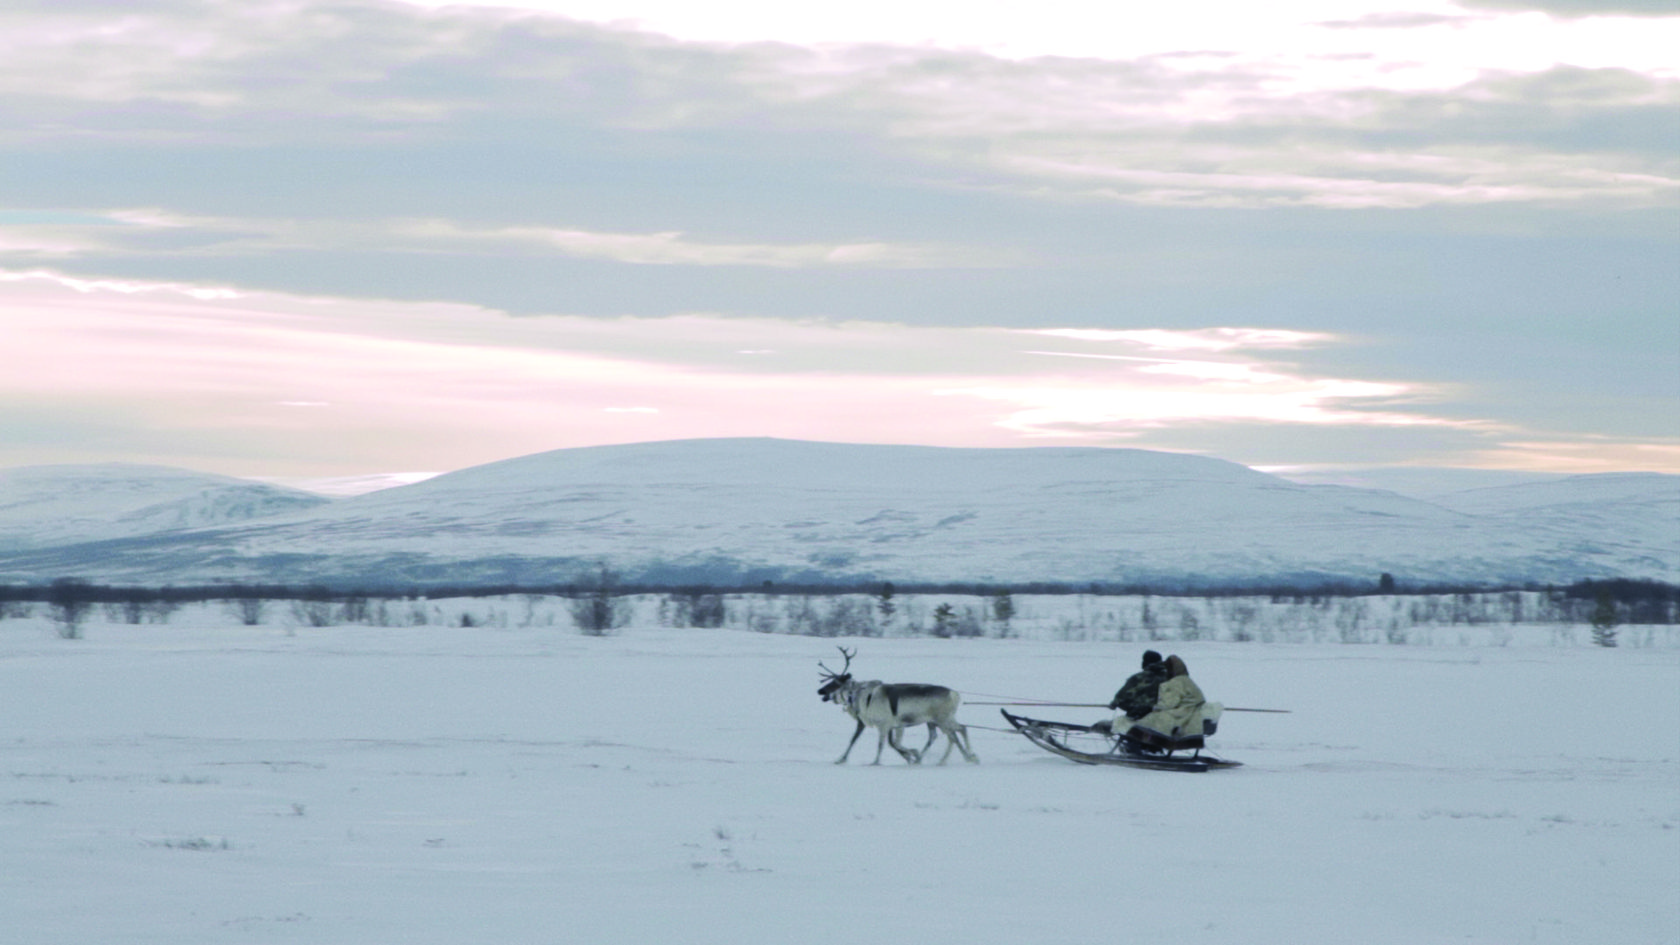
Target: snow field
x=203 y=782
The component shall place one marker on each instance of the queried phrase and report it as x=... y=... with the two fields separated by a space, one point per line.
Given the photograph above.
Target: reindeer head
x=832 y=681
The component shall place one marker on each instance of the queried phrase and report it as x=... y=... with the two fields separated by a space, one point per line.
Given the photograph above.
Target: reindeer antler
x=833 y=680
x=831 y=674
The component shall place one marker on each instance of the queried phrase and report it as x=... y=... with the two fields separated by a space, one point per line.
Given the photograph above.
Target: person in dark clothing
x=1137 y=695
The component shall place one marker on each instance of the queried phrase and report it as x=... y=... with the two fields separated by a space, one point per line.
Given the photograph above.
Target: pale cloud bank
x=1359 y=42
x=357 y=235
x=676 y=249
x=1180 y=107
x=432 y=386
x=1208 y=339
x=1100 y=411
x=130 y=231
x=118 y=286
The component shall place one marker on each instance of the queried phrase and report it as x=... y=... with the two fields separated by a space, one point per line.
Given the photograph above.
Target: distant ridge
x=47 y=506
x=741 y=511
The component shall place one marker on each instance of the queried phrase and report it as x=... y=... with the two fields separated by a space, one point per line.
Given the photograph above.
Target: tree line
x=602 y=605
x=1646 y=601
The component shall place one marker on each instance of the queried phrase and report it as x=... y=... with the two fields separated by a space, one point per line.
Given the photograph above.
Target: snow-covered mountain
x=48 y=506
x=1419 y=482
x=745 y=510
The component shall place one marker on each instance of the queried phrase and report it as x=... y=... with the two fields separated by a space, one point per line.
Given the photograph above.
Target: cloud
x=1060 y=28
x=1562 y=135
x=1581 y=8
x=154 y=232
x=57 y=234
x=674 y=249
x=1208 y=339
x=1579 y=455
x=430 y=386
x=121 y=287
x=1102 y=412
x=1393 y=198
x=1339 y=127
x=1396 y=21
x=1143 y=392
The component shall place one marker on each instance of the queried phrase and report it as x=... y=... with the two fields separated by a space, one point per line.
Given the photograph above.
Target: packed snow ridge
x=738 y=511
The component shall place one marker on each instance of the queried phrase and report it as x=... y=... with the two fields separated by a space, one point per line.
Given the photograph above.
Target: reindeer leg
x=849 y=744
x=885 y=735
x=950 y=743
x=933 y=730
x=956 y=736
x=895 y=737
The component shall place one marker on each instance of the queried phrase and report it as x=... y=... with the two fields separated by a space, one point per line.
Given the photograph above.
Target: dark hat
x=1150 y=658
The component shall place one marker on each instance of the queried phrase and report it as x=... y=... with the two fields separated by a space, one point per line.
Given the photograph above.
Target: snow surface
x=203 y=782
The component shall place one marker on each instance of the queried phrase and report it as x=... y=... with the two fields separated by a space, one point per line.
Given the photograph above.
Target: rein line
x=1053 y=705
x=1021 y=700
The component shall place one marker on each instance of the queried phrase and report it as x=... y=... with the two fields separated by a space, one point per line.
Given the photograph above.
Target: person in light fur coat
x=1179 y=712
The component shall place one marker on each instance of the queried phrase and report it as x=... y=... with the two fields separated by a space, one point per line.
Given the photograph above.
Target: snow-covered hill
x=46 y=506
x=746 y=510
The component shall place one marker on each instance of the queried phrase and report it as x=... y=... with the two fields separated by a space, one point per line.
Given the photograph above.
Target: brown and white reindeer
x=892 y=707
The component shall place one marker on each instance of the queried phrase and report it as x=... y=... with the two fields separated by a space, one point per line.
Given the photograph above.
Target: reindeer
x=891 y=707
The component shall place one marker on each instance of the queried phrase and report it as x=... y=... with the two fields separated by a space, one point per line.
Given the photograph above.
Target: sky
x=294 y=239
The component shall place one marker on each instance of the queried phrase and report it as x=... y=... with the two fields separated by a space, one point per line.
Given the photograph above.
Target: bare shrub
x=1242 y=616
x=16 y=609
x=599 y=614
x=1003 y=611
x=129 y=611
x=1189 y=625
x=354 y=609
x=950 y=622
x=70 y=600
x=885 y=606
x=600 y=610
x=1604 y=620
x=695 y=607
x=848 y=616
x=315 y=612
x=800 y=615
x=249 y=611
x=943 y=617
x=161 y=609
x=1350 y=621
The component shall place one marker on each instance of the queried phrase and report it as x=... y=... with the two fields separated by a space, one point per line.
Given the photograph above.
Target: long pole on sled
x=1104 y=705
x=1054 y=705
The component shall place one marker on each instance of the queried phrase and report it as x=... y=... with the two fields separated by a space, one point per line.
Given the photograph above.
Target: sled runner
x=1060 y=738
